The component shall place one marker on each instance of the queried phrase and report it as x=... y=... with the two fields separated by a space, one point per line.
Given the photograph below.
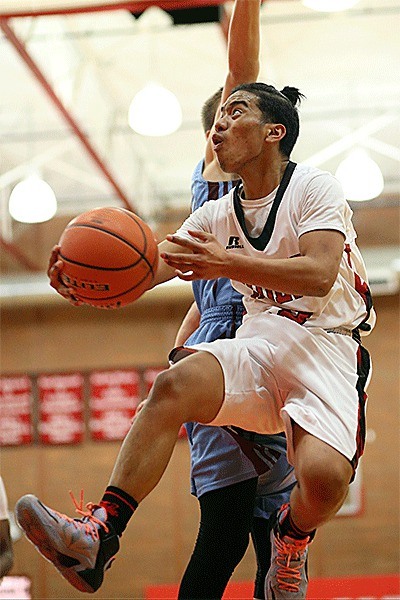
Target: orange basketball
x=110 y=257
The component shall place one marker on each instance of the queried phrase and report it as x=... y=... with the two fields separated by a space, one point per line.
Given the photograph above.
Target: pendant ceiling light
x=360 y=176
x=155 y=111
x=32 y=201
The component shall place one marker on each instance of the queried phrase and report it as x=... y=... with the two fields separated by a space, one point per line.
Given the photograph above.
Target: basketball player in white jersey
x=239 y=478
x=286 y=241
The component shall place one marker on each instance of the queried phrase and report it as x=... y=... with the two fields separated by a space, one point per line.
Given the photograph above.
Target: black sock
x=289 y=528
x=120 y=506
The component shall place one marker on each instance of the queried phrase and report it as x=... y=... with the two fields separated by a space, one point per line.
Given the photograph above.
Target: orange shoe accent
x=290 y=551
x=89 y=525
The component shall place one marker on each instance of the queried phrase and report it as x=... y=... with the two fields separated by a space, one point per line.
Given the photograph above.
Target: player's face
x=239 y=137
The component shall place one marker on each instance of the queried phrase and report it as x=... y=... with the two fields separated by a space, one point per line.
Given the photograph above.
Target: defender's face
x=239 y=137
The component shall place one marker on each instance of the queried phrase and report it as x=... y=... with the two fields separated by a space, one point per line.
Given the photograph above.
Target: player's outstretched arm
x=55 y=267
x=164 y=271
x=243 y=63
x=312 y=273
x=243 y=45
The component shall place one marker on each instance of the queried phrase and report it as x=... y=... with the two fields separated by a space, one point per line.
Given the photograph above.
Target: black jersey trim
x=363 y=371
x=260 y=242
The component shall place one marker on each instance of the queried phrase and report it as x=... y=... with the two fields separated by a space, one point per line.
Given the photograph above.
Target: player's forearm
x=298 y=276
x=243 y=66
x=244 y=42
x=164 y=272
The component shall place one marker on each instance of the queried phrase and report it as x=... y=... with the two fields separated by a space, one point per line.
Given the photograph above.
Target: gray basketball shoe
x=81 y=549
x=287 y=578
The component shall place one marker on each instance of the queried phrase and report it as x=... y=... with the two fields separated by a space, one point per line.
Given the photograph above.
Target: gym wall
x=157 y=544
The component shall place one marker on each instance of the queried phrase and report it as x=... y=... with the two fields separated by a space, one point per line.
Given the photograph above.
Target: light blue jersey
x=207 y=292
x=224 y=456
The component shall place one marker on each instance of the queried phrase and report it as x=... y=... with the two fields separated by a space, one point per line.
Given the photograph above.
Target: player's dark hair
x=278 y=107
x=209 y=110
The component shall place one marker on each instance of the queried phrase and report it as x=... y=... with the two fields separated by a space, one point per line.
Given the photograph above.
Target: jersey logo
x=233 y=243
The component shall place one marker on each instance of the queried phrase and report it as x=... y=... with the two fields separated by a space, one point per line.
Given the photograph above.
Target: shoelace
x=285 y=572
x=89 y=521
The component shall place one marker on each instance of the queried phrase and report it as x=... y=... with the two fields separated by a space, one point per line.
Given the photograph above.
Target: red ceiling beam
x=67 y=116
x=131 y=5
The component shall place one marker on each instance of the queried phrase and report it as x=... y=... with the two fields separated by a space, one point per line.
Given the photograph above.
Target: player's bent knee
x=325 y=484
x=167 y=391
x=192 y=389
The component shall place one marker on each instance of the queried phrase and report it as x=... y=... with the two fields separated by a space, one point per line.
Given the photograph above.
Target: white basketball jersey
x=313 y=200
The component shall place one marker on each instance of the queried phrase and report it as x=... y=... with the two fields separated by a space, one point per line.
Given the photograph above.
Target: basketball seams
x=118 y=237
x=96 y=268
x=140 y=224
x=88 y=252
x=155 y=263
x=137 y=220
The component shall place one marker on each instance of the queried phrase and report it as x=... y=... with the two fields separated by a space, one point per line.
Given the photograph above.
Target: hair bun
x=292 y=94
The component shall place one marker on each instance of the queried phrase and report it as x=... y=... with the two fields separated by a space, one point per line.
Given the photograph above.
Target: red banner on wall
x=61 y=418
x=114 y=396
x=15 y=410
x=149 y=376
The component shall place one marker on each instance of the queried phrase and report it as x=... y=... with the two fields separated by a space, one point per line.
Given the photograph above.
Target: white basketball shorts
x=276 y=370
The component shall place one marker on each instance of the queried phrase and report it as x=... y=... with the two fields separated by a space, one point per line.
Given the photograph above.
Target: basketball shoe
x=287 y=578
x=81 y=549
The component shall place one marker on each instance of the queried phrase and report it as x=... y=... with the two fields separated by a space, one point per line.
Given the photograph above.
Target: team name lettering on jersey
x=300 y=316
x=260 y=293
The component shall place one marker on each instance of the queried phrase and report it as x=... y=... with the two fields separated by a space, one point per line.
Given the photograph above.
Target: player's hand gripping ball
x=109 y=257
